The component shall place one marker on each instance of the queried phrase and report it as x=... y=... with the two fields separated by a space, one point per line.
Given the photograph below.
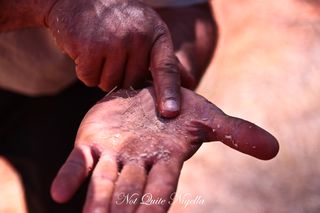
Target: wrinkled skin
x=129 y=149
x=103 y=38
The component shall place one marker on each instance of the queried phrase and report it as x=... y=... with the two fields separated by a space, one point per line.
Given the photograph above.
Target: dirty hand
x=115 y=43
x=133 y=154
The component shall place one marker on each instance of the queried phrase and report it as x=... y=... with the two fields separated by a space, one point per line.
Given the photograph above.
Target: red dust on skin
x=199 y=121
x=129 y=148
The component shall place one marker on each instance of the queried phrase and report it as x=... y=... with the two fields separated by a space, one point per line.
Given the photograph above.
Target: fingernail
x=171 y=105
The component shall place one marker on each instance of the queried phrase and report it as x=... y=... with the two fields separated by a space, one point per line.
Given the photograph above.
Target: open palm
x=135 y=156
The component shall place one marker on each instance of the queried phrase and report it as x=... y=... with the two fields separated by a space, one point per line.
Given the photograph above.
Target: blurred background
x=266 y=69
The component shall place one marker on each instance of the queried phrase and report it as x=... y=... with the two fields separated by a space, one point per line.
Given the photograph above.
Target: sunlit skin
x=128 y=148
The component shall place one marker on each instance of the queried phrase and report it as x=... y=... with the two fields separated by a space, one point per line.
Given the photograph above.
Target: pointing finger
x=165 y=73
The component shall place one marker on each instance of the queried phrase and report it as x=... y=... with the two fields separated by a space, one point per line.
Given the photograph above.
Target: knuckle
x=161 y=33
x=138 y=37
x=107 y=179
x=160 y=30
x=126 y=39
x=167 y=67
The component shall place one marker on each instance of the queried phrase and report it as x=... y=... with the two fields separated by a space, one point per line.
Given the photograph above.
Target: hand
x=129 y=149
x=114 y=42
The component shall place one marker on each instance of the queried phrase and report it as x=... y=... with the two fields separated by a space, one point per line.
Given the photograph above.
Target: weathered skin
x=123 y=133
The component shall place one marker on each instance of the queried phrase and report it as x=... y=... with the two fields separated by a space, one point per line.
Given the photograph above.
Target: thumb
x=238 y=134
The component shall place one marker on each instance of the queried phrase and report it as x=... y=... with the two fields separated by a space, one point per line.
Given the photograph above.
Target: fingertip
x=103 y=88
x=169 y=101
x=170 y=108
x=276 y=148
x=89 y=67
x=245 y=137
x=261 y=144
x=58 y=192
x=89 y=83
x=72 y=174
x=271 y=149
x=88 y=77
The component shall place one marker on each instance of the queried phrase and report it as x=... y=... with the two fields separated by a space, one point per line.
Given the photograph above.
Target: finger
x=99 y=195
x=165 y=73
x=138 y=64
x=89 y=67
x=161 y=186
x=241 y=135
x=246 y=137
x=113 y=71
x=129 y=188
x=72 y=174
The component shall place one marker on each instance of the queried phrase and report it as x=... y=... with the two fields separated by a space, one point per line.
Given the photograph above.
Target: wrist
x=23 y=13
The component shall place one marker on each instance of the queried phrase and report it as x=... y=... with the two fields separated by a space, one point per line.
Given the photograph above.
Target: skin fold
x=128 y=149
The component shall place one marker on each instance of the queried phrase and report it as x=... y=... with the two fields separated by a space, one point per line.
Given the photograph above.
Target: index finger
x=165 y=72
x=72 y=174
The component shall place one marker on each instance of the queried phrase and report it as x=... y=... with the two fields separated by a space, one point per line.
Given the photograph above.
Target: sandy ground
x=266 y=70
